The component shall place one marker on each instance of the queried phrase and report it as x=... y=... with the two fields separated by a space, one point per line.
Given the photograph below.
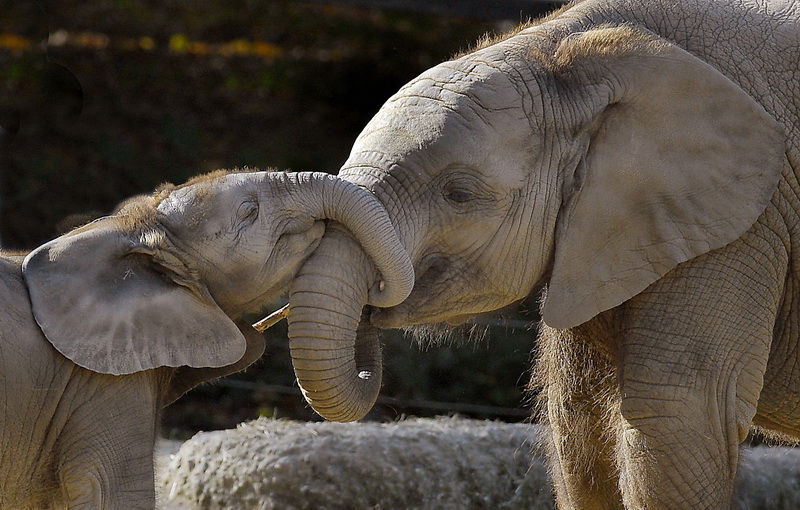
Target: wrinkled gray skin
x=640 y=159
x=102 y=327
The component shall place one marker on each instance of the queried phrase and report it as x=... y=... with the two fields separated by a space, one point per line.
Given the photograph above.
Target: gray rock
x=446 y=463
x=768 y=479
x=414 y=464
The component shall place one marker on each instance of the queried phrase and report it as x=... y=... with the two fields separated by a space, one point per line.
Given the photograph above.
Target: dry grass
x=444 y=463
x=418 y=463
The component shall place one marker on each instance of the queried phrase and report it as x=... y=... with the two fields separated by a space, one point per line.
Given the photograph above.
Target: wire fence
x=444 y=407
x=416 y=404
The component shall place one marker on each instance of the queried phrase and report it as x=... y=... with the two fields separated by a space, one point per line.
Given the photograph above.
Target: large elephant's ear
x=114 y=304
x=678 y=161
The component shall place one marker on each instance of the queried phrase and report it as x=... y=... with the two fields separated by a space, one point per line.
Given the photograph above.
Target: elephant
x=634 y=166
x=103 y=326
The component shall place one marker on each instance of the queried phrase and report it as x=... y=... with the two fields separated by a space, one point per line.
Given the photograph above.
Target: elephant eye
x=458 y=196
x=461 y=191
x=247 y=211
x=464 y=190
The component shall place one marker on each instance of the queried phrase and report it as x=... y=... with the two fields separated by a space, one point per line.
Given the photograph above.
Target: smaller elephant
x=103 y=326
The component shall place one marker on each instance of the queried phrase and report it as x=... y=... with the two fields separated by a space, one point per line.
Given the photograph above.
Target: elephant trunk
x=337 y=356
x=367 y=219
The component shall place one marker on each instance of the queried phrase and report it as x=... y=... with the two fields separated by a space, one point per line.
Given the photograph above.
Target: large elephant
x=103 y=326
x=640 y=160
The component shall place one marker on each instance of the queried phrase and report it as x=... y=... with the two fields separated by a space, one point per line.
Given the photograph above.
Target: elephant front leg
x=677 y=454
x=105 y=449
x=90 y=482
x=693 y=356
x=579 y=394
x=581 y=457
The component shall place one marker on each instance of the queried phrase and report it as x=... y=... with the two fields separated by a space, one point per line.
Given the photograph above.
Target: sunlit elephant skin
x=103 y=326
x=640 y=161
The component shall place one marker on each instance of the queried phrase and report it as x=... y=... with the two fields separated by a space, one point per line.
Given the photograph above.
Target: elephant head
x=165 y=280
x=590 y=160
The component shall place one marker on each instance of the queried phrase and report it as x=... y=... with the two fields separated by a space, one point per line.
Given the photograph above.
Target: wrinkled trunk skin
x=336 y=356
x=327 y=196
x=360 y=261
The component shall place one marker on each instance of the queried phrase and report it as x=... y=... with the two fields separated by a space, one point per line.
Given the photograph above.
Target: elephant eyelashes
x=468 y=194
x=458 y=196
x=247 y=212
x=461 y=188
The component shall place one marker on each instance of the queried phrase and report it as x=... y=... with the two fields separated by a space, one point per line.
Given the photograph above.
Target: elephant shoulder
x=24 y=351
x=16 y=317
x=12 y=286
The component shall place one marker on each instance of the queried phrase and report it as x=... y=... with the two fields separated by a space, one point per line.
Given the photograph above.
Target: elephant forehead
x=484 y=83
x=178 y=201
x=449 y=104
x=439 y=125
x=184 y=198
x=408 y=129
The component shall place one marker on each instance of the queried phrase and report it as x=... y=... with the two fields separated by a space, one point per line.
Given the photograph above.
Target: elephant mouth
x=437 y=275
x=447 y=291
x=294 y=248
x=290 y=252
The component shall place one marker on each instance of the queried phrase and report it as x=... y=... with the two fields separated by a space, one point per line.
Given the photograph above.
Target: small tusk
x=381 y=285
x=272 y=319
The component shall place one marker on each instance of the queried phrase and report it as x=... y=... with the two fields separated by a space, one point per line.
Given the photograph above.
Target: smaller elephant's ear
x=186 y=378
x=678 y=161
x=115 y=305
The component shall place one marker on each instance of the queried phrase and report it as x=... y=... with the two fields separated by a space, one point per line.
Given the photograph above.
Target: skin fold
x=639 y=161
x=102 y=327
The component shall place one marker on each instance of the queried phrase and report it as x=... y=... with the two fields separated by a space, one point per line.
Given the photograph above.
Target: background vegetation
x=104 y=99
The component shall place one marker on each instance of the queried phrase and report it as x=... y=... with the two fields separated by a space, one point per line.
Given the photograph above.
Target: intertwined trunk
x=337 y=356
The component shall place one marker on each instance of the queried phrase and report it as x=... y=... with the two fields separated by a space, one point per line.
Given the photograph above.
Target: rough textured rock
x=418 y=463
x=768 y=478
x=414 y=464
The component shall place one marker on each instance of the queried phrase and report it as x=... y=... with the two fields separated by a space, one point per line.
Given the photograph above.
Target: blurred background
x=104 y=99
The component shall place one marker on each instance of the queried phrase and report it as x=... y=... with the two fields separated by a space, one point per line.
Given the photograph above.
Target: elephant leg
x=579 y=393
x=694 y=352
x=127 y=482
x=106 y=446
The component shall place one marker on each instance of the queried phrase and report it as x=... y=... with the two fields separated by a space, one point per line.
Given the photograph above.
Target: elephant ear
x=678 y=161
x=116 y=302
x=186 y=378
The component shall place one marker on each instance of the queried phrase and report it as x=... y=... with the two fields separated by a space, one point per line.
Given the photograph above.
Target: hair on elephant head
x=145 y=304
x=607 y=152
